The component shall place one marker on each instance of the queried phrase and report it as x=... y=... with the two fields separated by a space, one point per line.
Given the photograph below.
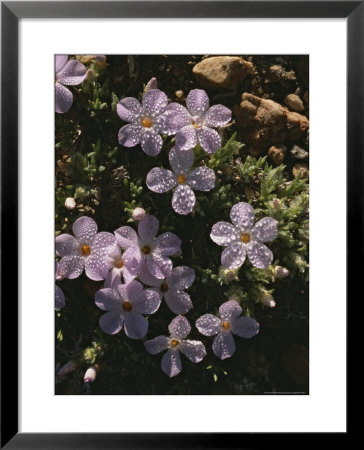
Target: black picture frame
x=11 y=13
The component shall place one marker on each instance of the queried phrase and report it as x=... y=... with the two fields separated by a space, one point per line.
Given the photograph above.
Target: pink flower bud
x=70 y=366
x=281 y=272
x=138 y=214
x=267 y=300
x=90 y=374
x=152 y=84
x=70 y=203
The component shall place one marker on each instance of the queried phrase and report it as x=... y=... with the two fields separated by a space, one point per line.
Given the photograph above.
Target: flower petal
x=70 y=267
x=136 y=325
x=129 y=109
x=194 y=350
x=167 y=244
x=197 y=102
x=60 y=300
x=182 y=277
x=160 y=180
x=183 y=199
x=148 y=228
x=186 y=138
x=171 y=363
x=113 y=279
x=131 y=259
x=259 y=254
x=60 y=61
x=66 y=245
x=230 y=310
x=103 y=244
x=84 y=229
x=224 y=345
x=150 y=304
x=147 y=278
x=233 y=256
x=265 y=230
x=73 y=73
x=242 y=216
x=108 y=299
x=184 y=115
x=179 y=328
x=170 y=122
x=130 y=135
x=126 y=237
x=245 y=327
x=159 y=266
x=217 y=116
x=181 y=162
x=154 y=102
x=133 y=292
x=96 y=267
x=179 y=302
x=151 y=142
x=63 y=99
x=111 y=322
x=208 y=325
x=223 y=233
x=209 y=139
x=156 y=345
x=202 y=179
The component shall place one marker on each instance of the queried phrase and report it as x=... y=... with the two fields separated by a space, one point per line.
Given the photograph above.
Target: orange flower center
x=127 y=306
x=174 y=342
x=85 y=250
x=119 y=264
x=245 y=237
x=181 y=178
x=147 y=122
x=146 y=250
x=164 y=287
x=226 y=325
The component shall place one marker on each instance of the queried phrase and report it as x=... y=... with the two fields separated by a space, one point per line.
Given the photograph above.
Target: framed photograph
x=177 y=213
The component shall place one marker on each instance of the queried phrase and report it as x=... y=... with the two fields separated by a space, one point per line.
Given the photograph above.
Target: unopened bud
x=70 y=203
x=138 y=214
x=267 y=300
x=70 y=366
x=90 y=374
x=100 y=59
x=89 y=75
x=88 y=354
x=277 y=203
x=152 y=84
x=229 y=274
x=281 y=272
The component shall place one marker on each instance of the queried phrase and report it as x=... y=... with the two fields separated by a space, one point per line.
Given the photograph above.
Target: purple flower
x=171 y=364
x=228 y=322
x=125 y=307
x=147 y=121
x=172 y=287
x=162 y=180
x=147 y=247
x=67 y=73
x=196 y=122
x=243 y=238
x=87 y=250
x=60 y=300
x=122 y=264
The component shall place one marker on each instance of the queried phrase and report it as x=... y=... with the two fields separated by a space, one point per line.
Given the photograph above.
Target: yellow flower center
x=127 y=306
x=119 y=264
x=147 y=122
x=85 y=250
x=164 y=287
x=245 y=237
x=196 y=122
x=146 y=250
x=226 y=325
x=181 y=178
x=174 y=342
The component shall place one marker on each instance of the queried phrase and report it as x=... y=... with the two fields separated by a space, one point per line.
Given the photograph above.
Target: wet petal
x=84 y=229
x=197 y=102
x=230 y=310
x=167 y=244
x=217 y=116
x=179 y=328
x=129 y=109
x=186 y=138
x=111 y=322
x=259 y=254
x=60 y=62
x=159 y=266
x=245 y=327
x=133 y=292
x=223 y=233
x=66 y=245
x=96 y=267
x=183 y=199
x=184 y=115
x=108 y=299
x=113 y=279
x=70 y=267
x=194 y=350
x=60 y=300
x=160 y=180
x=147 y=278
x=148 y=228
x=170 y=122
x=265 y=230
x=171 y=363
x=136 y=325
x=150 y=304
x=130 y=135
x=233 y=256
x=103 y=244
x=63 y=99
x=132 y=260
x=208 y=325
x=151 y=142
x=72 y=73
x=181 y=162
x=182 y=277
x=154 y=102
x=179 y=302
x=156 y=345
x=242 y=216
x=202 y=179
x=224 y=345
x=126 y=237
x=209 y=139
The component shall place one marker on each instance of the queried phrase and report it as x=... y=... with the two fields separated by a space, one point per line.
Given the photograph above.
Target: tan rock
x=222 y=71
x=300 y=169
x=276 y=154
x=294 y=103
x=263 y=123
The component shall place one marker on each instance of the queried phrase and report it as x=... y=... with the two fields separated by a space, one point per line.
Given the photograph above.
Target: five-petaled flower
x=124 y=264
x=68 y=73
x=229 y=322
x=147 y=121
x=172 y=287
x=162 y=180
x=147 y=247
x=197 y=120
x=125 y=307
x=179 y=329
x=242 y=238
x=87 y=250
